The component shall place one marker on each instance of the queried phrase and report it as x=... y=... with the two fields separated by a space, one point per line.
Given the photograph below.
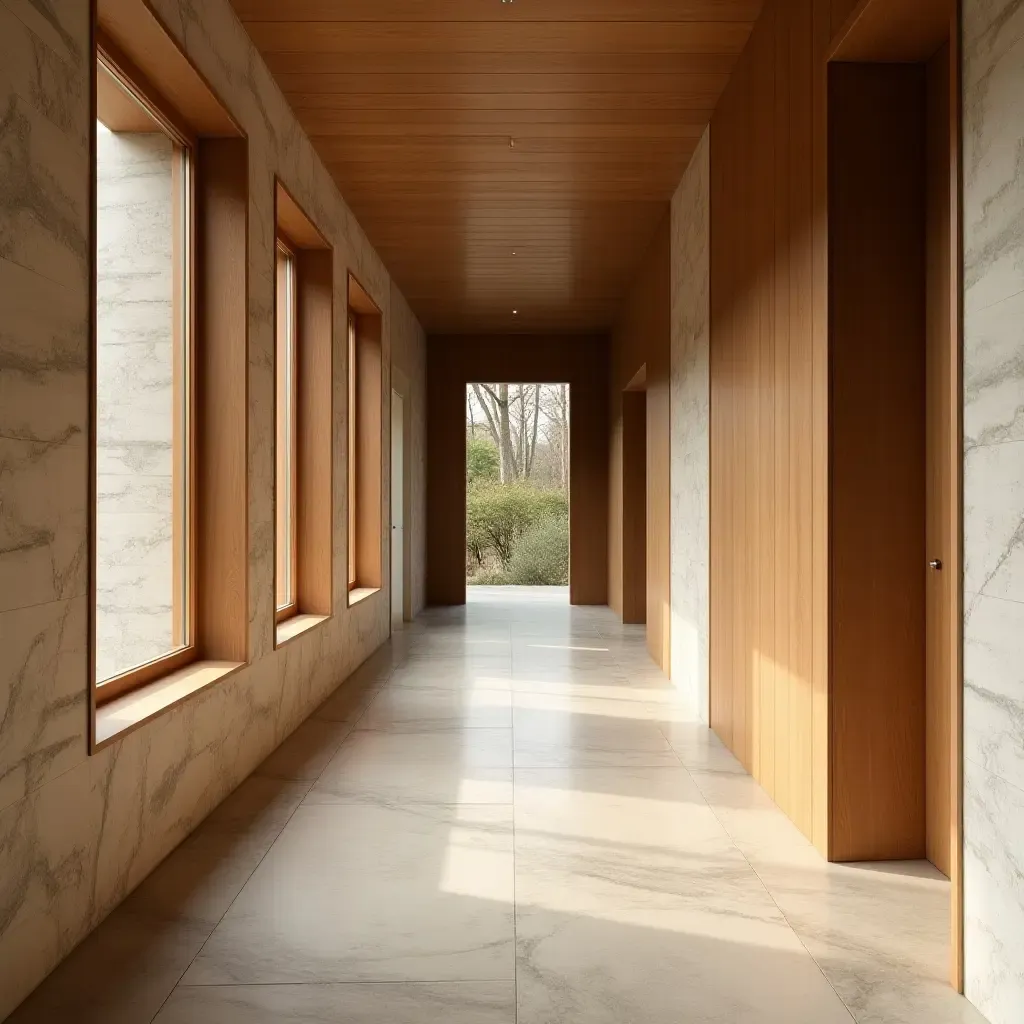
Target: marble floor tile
x=665 y=967
x=121 y=974
x=365 y=893
x=305 y=754
x=572 y=735
x=410 y=1003
x=421 y=709
x=544 y=839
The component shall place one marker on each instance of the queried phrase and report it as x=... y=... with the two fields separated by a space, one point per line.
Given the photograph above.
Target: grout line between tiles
x=309 y=787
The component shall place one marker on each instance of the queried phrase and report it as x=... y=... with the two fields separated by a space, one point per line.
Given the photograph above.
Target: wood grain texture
x=642 y=341
x=368 y=417
x=769 y=358
x=453 y=361
x=889 y=30
x=413 y=107
x=877 y=458
x=628 y=544
x=222 y=400
x=140 y=36
x=315 y=469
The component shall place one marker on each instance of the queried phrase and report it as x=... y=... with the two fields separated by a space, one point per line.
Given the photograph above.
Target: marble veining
x=78 y=833
x=378 y=875
x=993 y=406
x=690 y=425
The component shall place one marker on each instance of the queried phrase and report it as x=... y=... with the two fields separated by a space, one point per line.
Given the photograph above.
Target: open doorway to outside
x=517 y=485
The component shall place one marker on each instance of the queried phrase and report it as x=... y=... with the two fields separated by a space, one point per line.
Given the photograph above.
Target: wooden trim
x=286 y=347
x=312 y=482
x=351 y=495
x=92 y=498
x=137 y=84
x=314 y=432
x=223 y=671
x=222 y=402
x=142 y=35
x=366 y=439
x=957 y=340
x=139 y=677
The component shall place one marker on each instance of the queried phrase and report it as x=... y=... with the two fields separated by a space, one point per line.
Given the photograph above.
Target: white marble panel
x=994 y=687
x=690 y=425
x=993 y=206
x=994 y=520
x=993 y=894
x=42 y=694
x=43 y=359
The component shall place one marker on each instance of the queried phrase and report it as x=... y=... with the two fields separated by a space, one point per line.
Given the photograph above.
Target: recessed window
x=145 y=427
x=169 y=526
x=303 y=490
x=286 y=433
x=365 y=426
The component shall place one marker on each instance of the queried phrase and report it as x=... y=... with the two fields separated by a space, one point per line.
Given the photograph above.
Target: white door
x=397 y=511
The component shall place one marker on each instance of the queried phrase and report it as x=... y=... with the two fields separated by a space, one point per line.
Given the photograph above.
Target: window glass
x=286 y=430
x=143 y=373
x=352 y=454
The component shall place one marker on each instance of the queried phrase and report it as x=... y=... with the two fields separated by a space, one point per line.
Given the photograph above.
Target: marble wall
x=690 y=482
x=993 y=110
x=77 y=833
x=135 y=408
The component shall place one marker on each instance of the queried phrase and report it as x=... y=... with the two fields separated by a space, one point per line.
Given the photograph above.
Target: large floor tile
x=410 y=1003
x=454 y=748
x=121 y=974
x=605 y=841
x=453 y=674
x=665 y=967
x=420 y=709
x=305 y=754
x=364 y=893
x=373 y=779
x=574 y=735
x=880 y=932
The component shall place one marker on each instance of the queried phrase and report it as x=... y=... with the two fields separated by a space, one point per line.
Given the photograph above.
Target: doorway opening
x=517 y=485
x=895 y=450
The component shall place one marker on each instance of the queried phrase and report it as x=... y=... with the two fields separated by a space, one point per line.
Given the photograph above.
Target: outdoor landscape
x=517 y=484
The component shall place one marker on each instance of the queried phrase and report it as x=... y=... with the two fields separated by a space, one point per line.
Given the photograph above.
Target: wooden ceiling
x=414 y=104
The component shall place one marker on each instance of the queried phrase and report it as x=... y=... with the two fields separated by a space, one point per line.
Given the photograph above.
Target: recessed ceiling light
x=511 y=143
x=513 y=252
x=515 y=312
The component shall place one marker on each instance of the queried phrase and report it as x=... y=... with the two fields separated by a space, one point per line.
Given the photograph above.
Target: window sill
x=121 y=716
x=359 y=594
x=296 y=626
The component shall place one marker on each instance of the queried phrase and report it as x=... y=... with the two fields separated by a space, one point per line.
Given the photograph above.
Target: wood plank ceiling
x=414 y=105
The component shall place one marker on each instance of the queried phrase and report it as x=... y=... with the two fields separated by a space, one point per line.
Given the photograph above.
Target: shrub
x=497 y=516
x=541 y=557
x=482 y=460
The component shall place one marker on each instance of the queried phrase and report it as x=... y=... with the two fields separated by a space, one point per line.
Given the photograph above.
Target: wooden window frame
x=131 y=44
x=310 y=458
x=286 y=432
x=353 y=449
x=365 y=443
x=110 y=61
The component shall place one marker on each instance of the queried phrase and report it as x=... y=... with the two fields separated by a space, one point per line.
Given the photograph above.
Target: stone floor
x=506 y=815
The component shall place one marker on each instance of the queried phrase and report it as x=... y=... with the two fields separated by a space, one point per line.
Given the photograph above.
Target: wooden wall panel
x=769 y=413
x=877 y=333
x=641 y=353
x=456 y=360
x=632 y=545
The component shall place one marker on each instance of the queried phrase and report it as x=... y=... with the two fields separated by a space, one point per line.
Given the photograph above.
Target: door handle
x=935 y=563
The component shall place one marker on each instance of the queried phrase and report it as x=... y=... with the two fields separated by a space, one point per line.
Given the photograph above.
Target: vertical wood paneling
x=768 y=414
x=877 y=459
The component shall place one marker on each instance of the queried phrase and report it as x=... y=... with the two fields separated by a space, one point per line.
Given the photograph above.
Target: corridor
x=505 y=815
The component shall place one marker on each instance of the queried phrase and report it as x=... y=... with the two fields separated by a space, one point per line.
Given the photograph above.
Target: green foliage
x=541 y=558
x=497 y=517
x=482 y=460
